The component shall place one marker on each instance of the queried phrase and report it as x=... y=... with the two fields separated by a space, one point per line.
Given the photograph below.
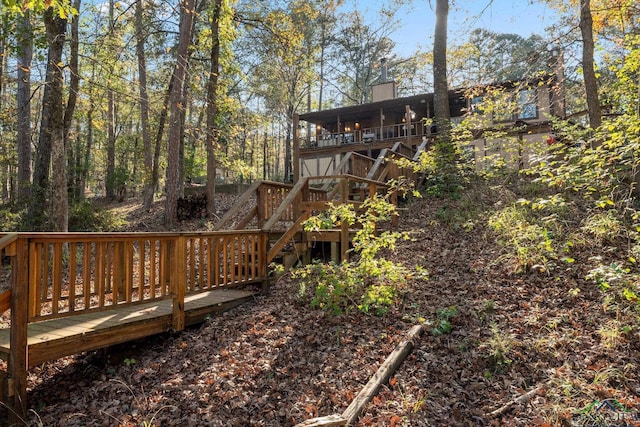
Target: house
x=515 y=134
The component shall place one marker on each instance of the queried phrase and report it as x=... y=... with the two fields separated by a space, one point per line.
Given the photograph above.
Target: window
x=476 y=105
x=527 y=107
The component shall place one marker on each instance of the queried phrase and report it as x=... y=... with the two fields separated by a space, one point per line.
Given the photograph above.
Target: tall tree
x=358 y=48
x=25 y=55
x=212 y=105
x=490 y=57
x=440 y=87
x=51 y=155
x=111 y=120
x=176 y=103
x=590 y=81
x=149 y=188
x=74 y=90
x=326 y=21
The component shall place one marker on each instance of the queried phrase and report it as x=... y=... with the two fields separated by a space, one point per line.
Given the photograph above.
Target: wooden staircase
x=280 y=210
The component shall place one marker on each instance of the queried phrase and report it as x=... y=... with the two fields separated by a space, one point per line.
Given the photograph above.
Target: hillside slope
x=276 y=362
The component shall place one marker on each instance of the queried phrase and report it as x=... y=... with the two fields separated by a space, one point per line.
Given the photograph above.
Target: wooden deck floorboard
x=73 y=334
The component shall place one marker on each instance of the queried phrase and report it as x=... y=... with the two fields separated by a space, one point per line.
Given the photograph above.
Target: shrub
x=85 y=216
x=371 y=283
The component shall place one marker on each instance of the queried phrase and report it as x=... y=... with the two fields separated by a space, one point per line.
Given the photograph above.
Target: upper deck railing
x=367 y=135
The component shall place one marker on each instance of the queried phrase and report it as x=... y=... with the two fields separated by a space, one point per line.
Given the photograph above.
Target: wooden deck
x=55 y=338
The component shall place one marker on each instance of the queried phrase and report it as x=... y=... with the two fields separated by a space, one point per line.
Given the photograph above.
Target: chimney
x=385 y=88
x=383 y=70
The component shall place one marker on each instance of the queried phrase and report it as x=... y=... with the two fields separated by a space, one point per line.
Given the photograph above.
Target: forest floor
x=277 y=362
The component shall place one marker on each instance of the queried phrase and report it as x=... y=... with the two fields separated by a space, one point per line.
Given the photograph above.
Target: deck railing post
x=179 y=280
x=18 y=356
x=263 y=249
x=261 y=200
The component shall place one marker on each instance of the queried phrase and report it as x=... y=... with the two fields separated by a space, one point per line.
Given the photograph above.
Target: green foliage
x=497 y=349
x=85 y=216
x=532 y=241
x=443 y=168
x=129 y=362
x=9 y=220
x=603 y=226
x=443 y=324
x=62 y=8
x=619 y=283
x=119 y=180
x=371 y=284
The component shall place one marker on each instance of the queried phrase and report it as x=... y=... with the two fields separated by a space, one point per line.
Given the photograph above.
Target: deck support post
x=296 y=149
x=344 y=226
x=18 y=356
x=179 y=281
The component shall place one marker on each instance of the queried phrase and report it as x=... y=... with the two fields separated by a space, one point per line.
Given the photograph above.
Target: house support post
x=407 y=114
x=296 y=148
x=18 y=356
x=344 y=226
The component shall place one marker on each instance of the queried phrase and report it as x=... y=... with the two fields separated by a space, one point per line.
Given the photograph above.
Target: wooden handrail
x=282 y=241
x=286 y=204
x=378 y=164
x=420 y=149
x=7 y=247
x=350 y=178
x=338 y=169
x=8 y=239
x=233 y=212
x=87 y=272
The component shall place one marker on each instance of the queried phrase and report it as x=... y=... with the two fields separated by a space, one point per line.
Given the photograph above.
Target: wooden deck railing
x=386 y=168
x=224 y=259
x=55 y=275
x=261 y=202
x=72 y=273
x=7 y=249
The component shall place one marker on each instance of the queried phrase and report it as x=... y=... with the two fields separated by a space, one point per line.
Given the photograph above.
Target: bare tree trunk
x=162 y=120
x=175 y=105
x=111 y=124
x=590 y=81
x=74 y=80
x=440 y=88
x=6 y=190
x=212 y=108
x=25 y=55
x=56 y=30
x=89 y=143
x=144 y=109
x=74 y=89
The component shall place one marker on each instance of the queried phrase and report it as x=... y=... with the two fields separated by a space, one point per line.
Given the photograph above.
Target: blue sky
x=417 y=19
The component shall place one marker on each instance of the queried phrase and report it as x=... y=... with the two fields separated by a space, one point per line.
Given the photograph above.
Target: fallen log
x=383 y=374
x=517 y=401
x=328 y=421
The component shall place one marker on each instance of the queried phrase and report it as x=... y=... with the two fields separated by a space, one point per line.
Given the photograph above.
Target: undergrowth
x=370 y=282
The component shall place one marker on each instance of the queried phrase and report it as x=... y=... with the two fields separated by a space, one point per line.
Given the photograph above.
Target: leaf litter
x=276 y=362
